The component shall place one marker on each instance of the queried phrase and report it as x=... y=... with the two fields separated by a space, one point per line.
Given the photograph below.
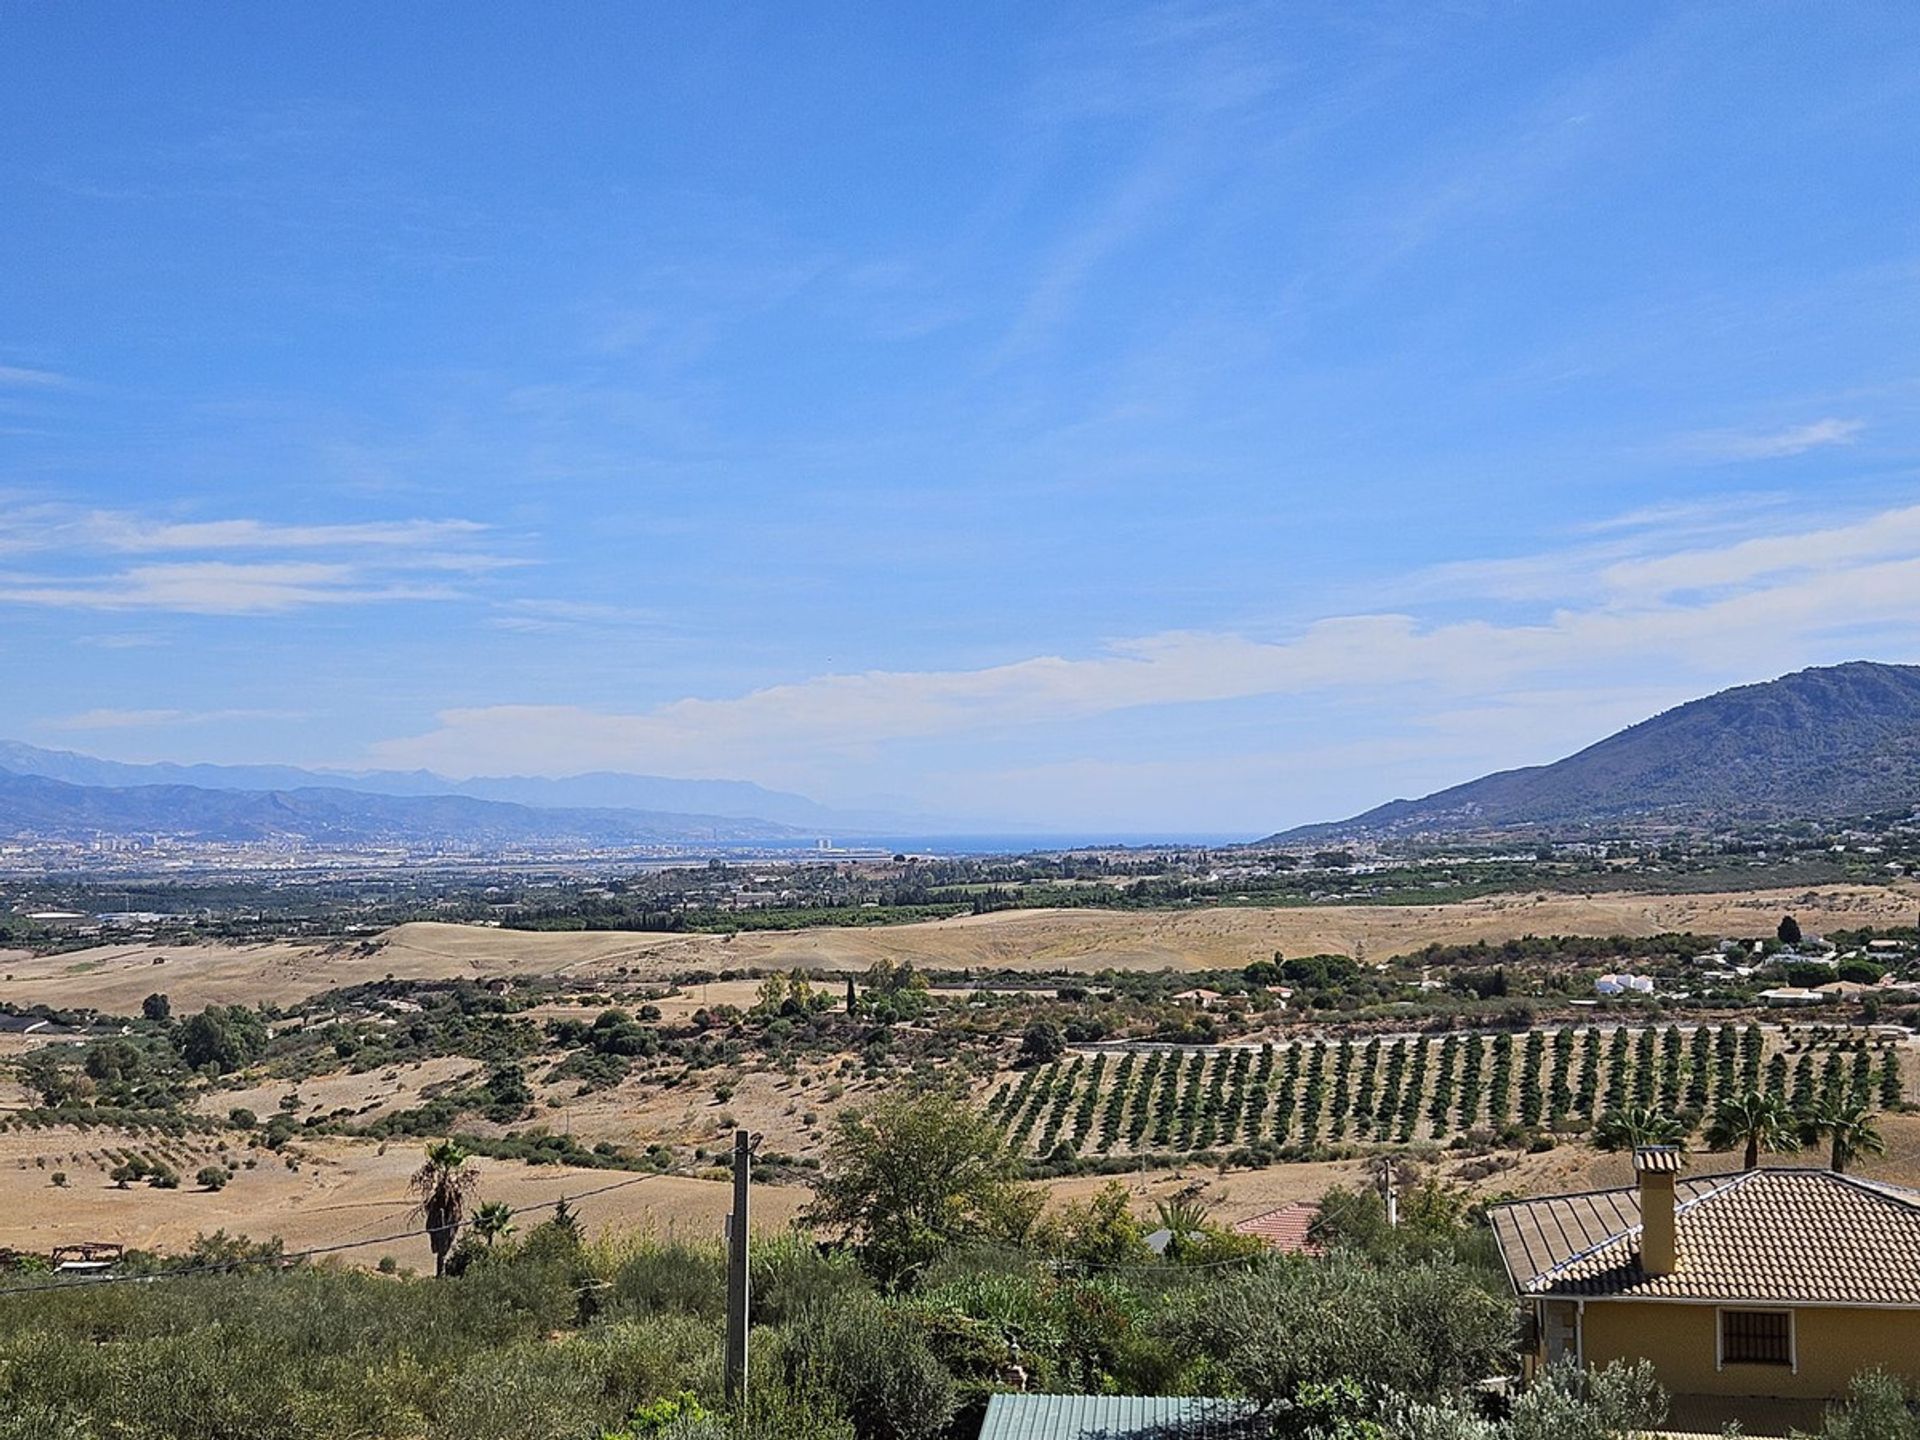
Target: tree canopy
x=909 y=1175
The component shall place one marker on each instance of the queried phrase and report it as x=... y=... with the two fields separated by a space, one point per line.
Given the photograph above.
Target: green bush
x=1878 y=1407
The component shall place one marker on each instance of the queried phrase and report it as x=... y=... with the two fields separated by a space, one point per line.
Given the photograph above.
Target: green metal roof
x=1119 y=1417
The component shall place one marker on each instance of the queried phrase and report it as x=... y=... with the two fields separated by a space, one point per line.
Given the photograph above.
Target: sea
x=1025 y=843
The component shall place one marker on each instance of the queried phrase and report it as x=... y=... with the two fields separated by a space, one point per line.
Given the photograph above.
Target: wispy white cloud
x=233 y=566
x=1660 y=553
x=1761 y=604
x=217 y=588
x=55 y=527
x=21 y=377
x=1727 y=445
x=1889 y=535
x=1688 y=516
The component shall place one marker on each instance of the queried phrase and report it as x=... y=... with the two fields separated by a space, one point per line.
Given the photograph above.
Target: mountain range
x=32 y=805
x=1824 y=744
x=667 y=808
x=738 y=799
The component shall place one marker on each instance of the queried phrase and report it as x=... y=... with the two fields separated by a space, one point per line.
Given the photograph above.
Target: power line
x=210 y=1267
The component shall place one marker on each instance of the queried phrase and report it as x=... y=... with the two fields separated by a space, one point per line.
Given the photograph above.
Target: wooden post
x=736 y=1355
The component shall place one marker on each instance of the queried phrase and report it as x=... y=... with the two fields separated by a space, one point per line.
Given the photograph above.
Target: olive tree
x=910 y=1175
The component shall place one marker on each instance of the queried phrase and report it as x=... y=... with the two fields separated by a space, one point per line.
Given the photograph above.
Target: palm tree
x=1182 y=1217
x=1756 y=1120
x=1849 y=1125
x=444 y=1184
x=493 y=1221
x=1636 y=1126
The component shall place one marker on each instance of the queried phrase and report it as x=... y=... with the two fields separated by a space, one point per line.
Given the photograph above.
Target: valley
x=370 y=1044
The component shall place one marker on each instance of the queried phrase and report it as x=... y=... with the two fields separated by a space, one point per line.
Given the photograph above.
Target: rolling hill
x=1822 y=744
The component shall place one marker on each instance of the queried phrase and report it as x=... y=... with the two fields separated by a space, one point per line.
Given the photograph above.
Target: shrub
x=1876 y=1408
x=1422 y=1330
x=876 y=1362
x=212 y=1177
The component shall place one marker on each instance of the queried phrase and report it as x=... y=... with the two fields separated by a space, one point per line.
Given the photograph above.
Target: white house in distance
x=1624 y=985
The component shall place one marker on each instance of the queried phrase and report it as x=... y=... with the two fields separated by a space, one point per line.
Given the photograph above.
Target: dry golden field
x=350 y=1190
x=116 y=978
x=343 y=1191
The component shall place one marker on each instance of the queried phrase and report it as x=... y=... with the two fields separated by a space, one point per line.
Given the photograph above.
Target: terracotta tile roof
x=1785 y=1236
x=1657 y=1159
x=1286 y=1229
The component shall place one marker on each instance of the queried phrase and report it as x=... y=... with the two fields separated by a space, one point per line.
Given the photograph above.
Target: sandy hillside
x=116 y=978
x=344 y=1191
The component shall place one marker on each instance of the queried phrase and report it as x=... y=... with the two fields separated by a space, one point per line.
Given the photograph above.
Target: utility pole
x=1388 y=1194
x=736 y=1360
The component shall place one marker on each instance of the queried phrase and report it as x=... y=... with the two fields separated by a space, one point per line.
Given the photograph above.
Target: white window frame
x=1720 y=1361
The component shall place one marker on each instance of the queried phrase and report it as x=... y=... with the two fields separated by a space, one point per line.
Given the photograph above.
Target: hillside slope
x=1818 y=744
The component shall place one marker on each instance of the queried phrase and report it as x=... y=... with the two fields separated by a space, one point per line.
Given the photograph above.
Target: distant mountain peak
x=1820 y=744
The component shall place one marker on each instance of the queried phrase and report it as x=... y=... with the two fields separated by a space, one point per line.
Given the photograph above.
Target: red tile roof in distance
x=1285 y=1229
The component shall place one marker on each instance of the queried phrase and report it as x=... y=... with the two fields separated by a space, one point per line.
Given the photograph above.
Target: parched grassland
x=114 y=979
x=322 y=1192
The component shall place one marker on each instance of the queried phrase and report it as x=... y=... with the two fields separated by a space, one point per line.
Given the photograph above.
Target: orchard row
x=1397 y=1091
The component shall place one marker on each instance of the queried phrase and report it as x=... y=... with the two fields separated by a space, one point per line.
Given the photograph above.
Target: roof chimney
x=1655 y=1166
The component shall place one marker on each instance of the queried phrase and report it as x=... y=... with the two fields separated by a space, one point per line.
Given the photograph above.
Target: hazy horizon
x=1117 y=419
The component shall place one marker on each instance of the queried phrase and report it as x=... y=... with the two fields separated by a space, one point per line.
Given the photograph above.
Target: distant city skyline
x=1112 y=418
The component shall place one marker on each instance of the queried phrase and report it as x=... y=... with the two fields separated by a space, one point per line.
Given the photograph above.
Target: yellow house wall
x=1831 y=1346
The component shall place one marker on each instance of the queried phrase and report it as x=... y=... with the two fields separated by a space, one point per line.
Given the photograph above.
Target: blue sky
x=1111 y=416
